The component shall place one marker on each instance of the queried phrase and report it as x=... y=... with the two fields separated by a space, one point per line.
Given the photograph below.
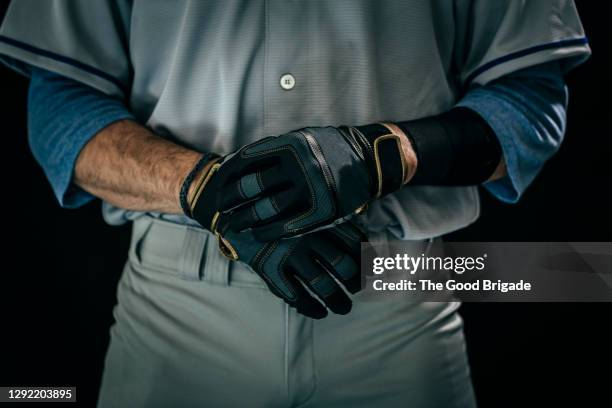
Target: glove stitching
x=314 y=207
x=260 y=266
x=281 y=266
x=320 y=277
x=261 y=188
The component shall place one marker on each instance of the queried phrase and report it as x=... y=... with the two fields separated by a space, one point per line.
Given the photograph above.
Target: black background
x=60 y=267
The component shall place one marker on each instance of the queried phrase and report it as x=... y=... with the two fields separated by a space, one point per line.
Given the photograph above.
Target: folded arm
x=88 y=142
x=89 y=145
x=128 y=166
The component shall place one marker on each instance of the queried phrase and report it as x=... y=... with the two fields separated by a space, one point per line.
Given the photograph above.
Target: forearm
x=521 y=115
x=455 y=148
x=411 y=161
x=130 y=167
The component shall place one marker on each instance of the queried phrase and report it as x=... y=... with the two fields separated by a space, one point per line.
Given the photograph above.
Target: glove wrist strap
x=383 y=153
x=189 y=179
x=203 y=212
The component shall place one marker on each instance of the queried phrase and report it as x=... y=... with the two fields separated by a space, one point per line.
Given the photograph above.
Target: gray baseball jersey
x=217 y=74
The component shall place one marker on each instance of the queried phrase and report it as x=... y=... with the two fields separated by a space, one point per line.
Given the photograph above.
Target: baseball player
x=254 y=145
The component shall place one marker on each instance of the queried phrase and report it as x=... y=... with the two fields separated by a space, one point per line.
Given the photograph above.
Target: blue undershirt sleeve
x=527 y=111
x=63 y=115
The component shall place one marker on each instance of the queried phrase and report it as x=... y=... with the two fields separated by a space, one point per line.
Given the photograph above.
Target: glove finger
x=317 y=278
x=275 y=228
x=340 y=264
x=304 y=302
x=349 y=237
x=294 y=205
x=280 y=277
x=252 y=186
x=267 y=209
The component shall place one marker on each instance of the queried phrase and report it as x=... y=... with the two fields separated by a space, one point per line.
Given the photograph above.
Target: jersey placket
x=286 y=77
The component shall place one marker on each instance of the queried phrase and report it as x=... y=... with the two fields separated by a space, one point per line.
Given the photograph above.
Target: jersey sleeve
x=85 y=40
x=495 y=38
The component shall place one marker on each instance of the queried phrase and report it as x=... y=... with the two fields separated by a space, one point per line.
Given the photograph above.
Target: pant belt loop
x=140 y=227
x=215 y=266
x=194 y=242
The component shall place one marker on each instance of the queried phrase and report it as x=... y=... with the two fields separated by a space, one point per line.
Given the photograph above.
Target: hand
x=295 y=183
x=313 y=261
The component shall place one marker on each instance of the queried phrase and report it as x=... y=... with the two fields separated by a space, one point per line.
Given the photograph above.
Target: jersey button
x=287 y=82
